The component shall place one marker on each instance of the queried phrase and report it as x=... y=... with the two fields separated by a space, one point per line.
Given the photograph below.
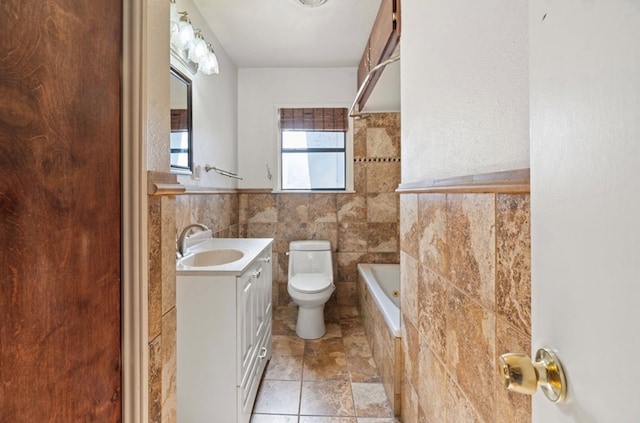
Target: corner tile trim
x=163 y=183
x=511 y=182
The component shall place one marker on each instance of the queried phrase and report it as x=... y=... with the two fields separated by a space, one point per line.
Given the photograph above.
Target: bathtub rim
x=389 y=310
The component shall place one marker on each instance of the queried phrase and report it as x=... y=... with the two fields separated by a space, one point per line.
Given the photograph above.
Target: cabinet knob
x=263 y=353
x=257 y=273
x=267 y=259
x=521 y=375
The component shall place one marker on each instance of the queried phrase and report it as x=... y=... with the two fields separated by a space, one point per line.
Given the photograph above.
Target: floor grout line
x=349 y=363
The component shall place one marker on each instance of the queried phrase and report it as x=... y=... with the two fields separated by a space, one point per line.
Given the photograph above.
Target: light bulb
x=198 y=48
x=184 y=35
x=209 y=65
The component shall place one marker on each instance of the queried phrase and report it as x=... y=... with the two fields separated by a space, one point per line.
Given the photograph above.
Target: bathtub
x=378 y=293
x=383 y=282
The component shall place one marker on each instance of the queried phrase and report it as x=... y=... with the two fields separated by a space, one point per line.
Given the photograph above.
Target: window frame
x=349 y=183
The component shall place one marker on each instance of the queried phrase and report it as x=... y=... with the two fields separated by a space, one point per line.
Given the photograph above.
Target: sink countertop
x=251 y=247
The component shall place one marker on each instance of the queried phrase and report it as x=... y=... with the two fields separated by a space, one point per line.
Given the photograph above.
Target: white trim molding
x=134 y=297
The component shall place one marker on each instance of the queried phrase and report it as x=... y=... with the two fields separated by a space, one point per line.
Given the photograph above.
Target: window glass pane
x=313 y=171
x=311 y=139
x=180 y=149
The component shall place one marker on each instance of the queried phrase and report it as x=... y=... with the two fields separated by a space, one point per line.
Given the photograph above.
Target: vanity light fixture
x=183 y=33
x=190 y=42
x=312 y=3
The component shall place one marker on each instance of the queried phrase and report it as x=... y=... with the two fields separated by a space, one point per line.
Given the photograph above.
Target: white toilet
x=310 y=284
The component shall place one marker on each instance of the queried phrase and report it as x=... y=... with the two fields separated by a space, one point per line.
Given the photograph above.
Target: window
x=313 y=149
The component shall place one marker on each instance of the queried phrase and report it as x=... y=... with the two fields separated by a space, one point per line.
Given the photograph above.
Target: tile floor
x=329 y=380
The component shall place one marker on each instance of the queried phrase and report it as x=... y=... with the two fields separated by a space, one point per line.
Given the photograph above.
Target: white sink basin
x=215 y=257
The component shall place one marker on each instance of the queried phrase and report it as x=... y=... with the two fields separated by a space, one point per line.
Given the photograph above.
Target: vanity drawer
x=249 y=387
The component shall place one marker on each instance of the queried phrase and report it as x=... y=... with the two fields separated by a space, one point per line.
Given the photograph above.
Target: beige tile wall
x=161 y=292
x=385 y=347
x=465 y=260
x=362 y=226
x=167 y=216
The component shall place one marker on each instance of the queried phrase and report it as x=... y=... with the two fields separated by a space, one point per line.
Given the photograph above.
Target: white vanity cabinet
x=223 y=337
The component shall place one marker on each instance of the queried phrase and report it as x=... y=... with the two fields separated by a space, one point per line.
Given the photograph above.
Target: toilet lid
x=310 y=283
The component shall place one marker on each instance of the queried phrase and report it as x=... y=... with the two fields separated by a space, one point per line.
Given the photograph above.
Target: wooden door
x=60 y=212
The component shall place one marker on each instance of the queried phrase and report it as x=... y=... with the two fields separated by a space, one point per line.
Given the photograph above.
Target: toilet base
x=310 y=323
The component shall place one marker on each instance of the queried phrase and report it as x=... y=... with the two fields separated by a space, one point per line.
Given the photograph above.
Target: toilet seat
x=310 y=283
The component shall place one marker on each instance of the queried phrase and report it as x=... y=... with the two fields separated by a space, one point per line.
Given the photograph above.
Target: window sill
x=301 y=191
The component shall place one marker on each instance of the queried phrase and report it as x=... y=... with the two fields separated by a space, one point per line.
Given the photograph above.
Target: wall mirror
x=181 y=123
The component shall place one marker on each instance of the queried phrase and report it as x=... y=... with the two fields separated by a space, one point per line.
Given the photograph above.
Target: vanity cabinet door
x=259 y=279
x=267 y=286
x=246 y=318
x=263 y=294
x=256 y=308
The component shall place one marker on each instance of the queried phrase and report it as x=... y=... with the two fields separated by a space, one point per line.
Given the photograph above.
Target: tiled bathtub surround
x=362 y=226
x=168 y=214
x=385 y=347
x=466 y=282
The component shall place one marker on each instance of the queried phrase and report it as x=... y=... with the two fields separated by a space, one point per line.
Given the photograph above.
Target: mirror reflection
x=181 y=128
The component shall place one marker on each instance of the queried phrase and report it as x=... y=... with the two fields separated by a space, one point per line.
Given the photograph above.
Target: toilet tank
x=310 y=256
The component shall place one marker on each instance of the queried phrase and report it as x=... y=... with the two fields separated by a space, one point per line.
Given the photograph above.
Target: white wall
x=214 y=102
x=261 y=92
x=157 y=122
x=385 y=96
x=214 y=112
x=464 y=89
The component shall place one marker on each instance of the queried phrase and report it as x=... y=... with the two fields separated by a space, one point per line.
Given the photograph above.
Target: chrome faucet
x=183 y=236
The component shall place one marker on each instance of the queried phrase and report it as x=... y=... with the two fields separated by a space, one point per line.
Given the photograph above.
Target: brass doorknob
x=521 y=375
